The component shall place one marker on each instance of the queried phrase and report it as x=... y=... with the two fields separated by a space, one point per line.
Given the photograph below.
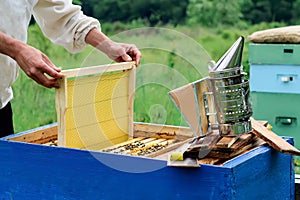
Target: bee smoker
x=220 y=101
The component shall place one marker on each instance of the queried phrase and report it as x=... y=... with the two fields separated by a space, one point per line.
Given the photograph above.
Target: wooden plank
x=272 y=139
x=131 y=95
x=146 y=146
x=173 y=134
x=242 y=144
x=171 y=146
x=163 y=154
x=131 y=146
x=162 y=131
x=114 y=147
x=38 y=137
x=167 y=145
x=264 y=123
x=61 y=107
x=149 y=147
x=258 y=142
x=242 y=140
x=205 y=143
x=241 y=150
x=226 y=142
x=194 y=149
x=85 y=71
x=229 y=155
x=209 y=161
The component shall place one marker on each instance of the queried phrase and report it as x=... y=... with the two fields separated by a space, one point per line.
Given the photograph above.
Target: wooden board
x=272 y=139
x=174 y=136
x=210 y=161
x=162 y=131
x=241 y=144
x=39 y=136
x=98 y=70
x=145 y=146
x=226 y=142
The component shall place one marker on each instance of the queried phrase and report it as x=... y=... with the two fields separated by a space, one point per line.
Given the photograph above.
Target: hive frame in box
x=80 y=123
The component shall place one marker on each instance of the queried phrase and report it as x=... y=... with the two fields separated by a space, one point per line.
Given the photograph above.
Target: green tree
x=295 y=12
x=153 y=11
x=256 y=11
x=214 y=12
x=77 y=2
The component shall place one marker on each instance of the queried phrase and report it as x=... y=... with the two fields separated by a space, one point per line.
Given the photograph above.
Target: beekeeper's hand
x=38 y=66
x=119 y=52
x=32 y=61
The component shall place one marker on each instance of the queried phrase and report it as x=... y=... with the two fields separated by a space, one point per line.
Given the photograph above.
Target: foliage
x=153 y=11
x=77 y=2
x=256 y=11
x=212 y=13
x=295 y=12
x=209 y=13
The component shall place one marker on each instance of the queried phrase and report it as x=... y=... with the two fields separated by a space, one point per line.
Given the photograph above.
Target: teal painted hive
x=260 y=53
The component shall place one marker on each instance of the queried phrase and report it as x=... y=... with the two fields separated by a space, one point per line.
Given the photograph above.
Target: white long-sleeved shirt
x=63 y=23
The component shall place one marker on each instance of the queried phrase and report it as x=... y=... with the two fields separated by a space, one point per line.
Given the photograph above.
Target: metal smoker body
x=221 y=100
x=231 y=103
x=231 y=92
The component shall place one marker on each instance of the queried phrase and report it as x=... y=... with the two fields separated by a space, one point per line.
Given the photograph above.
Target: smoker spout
x=232 y=58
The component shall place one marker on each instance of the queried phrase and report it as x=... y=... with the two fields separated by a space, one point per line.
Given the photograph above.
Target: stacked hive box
x=275 y=86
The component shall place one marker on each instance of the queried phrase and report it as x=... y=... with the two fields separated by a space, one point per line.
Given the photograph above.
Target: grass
x=172 y=57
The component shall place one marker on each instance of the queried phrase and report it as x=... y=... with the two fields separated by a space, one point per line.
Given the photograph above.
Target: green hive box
x=281 y=110
x=274 y=54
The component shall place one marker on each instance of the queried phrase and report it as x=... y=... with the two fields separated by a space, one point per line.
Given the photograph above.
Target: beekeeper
x=64 y=24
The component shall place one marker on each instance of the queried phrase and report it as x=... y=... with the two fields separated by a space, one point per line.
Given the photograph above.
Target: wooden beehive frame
x=64 y=107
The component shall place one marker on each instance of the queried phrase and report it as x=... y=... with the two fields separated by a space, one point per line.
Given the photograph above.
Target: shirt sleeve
x=64 y=23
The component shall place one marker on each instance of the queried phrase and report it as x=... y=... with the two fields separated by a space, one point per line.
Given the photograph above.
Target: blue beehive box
x=36 y=171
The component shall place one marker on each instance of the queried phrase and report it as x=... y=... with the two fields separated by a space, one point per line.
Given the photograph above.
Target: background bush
x=214 y=24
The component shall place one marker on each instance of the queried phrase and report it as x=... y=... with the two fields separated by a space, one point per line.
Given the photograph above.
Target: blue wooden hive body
x=34 y=171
